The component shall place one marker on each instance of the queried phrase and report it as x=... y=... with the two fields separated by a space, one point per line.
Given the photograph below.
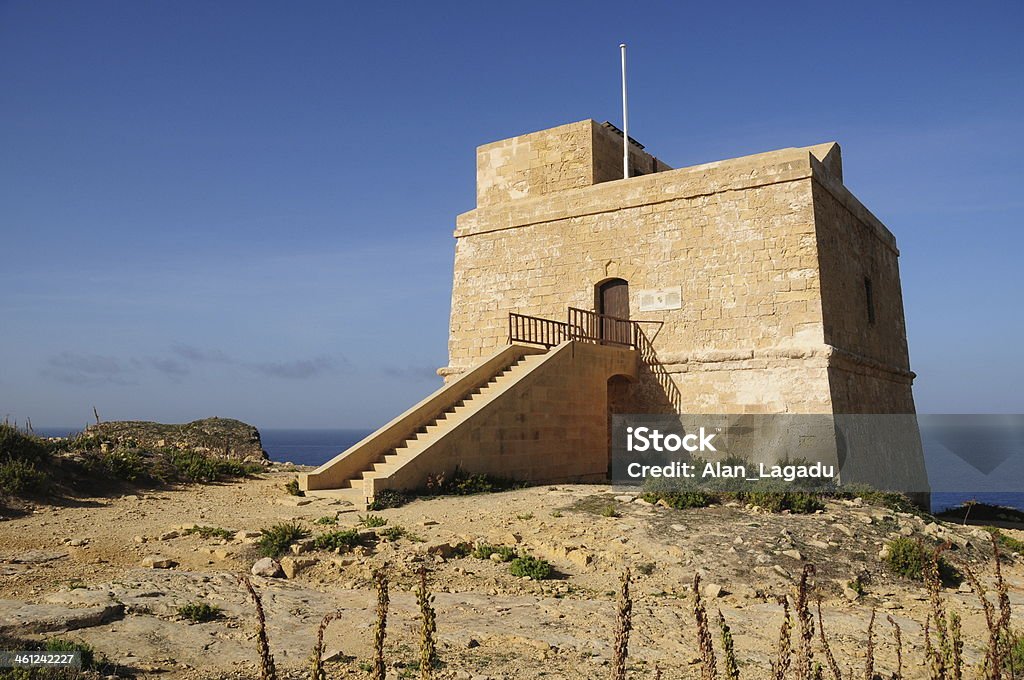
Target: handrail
x=536 y=330
x=581 y=325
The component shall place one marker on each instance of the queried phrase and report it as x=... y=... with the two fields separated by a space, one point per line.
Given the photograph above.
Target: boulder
x=158 y=562
x=291 y=566
x=267 y=567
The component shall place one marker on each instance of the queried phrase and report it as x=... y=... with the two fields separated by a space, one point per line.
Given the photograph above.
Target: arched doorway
x=612 y=300
x=621 y=400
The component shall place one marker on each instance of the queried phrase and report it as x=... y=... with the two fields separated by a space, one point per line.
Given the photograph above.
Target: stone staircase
x=417 y=439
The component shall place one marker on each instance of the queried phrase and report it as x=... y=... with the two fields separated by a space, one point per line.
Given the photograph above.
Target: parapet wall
x=569 y=156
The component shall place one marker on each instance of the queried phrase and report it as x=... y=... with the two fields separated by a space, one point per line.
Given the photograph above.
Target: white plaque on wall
x=660 y=299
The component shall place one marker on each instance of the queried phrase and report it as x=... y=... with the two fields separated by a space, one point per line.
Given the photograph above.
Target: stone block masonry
x=773 y=256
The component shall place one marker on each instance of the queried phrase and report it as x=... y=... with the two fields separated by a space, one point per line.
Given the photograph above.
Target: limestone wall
x=737 y=236
x=870 y=363
x=569 y=156
x=549 y=426
x=770 y=253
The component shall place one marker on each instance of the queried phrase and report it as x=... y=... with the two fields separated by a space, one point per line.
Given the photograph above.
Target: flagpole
x=625 y=117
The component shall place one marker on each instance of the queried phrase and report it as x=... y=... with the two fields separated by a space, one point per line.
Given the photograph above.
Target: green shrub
x=194 y=466
x=372 y=521
x=483 y=551
x=326 y=519
x=1014 y=661
x=537 y=569
x=209 y=532
x=800 y=502
x=345 y=539
x=1008 y=543
x=681 y=500
x=21 y=478
x=892 y=500
x=61 y=645
x=396 y=532
x=462 y=483
x=292 y=488
x=124 y=464
x=910 y=559
x=388 y=498
x=276 y=540
x=610 y=511
x=17 y=445
x=199 y=612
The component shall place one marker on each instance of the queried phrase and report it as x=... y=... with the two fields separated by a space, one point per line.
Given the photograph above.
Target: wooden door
x=613 y=301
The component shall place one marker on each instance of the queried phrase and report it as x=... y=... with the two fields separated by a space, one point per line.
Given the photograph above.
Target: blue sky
x=245 y=209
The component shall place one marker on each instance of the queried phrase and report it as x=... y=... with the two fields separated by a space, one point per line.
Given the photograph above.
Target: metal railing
x=581 y=325
x=536 y=331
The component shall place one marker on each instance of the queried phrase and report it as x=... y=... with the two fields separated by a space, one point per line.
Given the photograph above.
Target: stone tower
x=757 y=285
x=777 y=290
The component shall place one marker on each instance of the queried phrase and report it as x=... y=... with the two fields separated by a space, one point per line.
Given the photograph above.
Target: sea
x=953 y=482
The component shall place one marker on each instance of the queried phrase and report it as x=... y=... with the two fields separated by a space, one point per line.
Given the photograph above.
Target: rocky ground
x=113 y=571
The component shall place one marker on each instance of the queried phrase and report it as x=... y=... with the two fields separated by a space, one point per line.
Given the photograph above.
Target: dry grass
x=943 y=656
x=623 y=625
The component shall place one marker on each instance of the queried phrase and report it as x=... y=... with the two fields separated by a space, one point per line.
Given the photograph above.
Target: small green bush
x=345 y=539
x=800 y=502
x=388 y=498
x=326 y=519
x=462 y=483
x=1008 y=543
x=372 y=521
x=292 y=488
x=125 y=464
x=680 y=500
x=276 y=540
x=484 y=551
x=21 y=478
x=909 y=558
x=199 y=612
x=646 y=568
x=18 y=445
x=209 y=532
x=61 y=645
x=396 y=532
x=610 y=511
x=537 y=569
x=194 y=466
x=1014 y=661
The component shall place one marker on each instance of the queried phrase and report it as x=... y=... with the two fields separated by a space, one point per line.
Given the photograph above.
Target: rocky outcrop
x=215 y=436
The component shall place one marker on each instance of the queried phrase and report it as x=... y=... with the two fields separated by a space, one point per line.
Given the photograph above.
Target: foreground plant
x=732 y=669
x=380 y=627
x=276 y=540
x=708 y=669
x=267 y=668
x=199 y=612
x=804 y=654
x=784 y=654
x=428 y=627
x=623 y=624
x=316 y=671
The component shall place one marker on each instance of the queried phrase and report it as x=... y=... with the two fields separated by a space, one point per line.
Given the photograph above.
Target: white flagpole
x=625 y=117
